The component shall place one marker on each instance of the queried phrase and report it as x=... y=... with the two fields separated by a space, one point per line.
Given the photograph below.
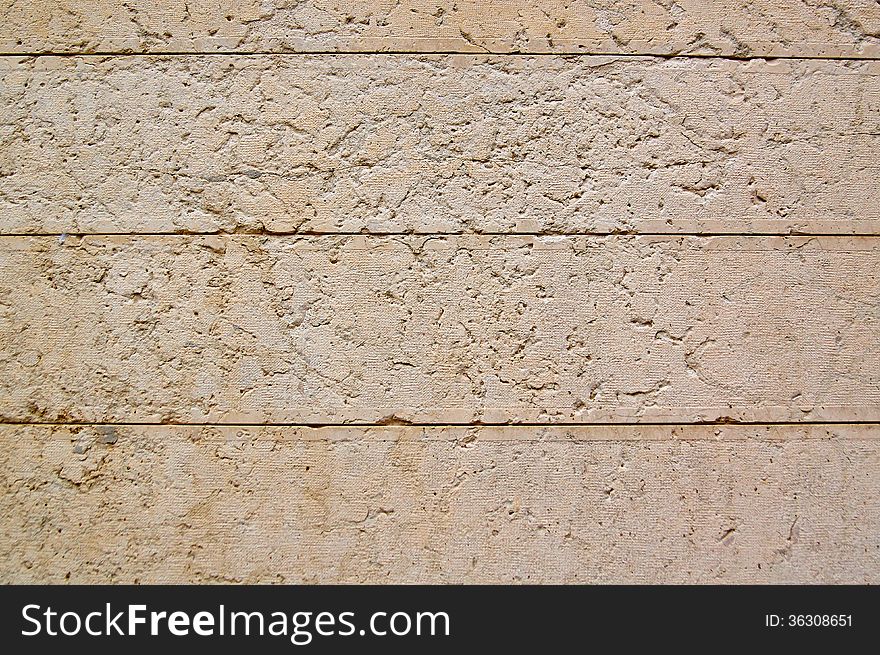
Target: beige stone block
x=739 y=28
x=455 y=329
x=765 y=504
x=438 y=144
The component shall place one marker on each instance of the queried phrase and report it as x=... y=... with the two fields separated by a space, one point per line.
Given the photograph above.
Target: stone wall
x=440 y=291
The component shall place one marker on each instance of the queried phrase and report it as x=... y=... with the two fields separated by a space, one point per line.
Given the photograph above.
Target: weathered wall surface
x=439 y=329
x=439 y=292
x=739 y=28
x=432 y=144
x=240 y=504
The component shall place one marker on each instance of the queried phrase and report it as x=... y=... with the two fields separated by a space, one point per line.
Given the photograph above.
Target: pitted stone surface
x=245 y=504
x=439 y=329
x=738 y=28
x=438 y=144
x=446 y=308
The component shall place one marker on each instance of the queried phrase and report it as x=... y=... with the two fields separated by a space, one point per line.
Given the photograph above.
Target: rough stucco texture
x=406 y=291
x=330 y=329
x=730 y=27
x=438 y=144
x=444 y=505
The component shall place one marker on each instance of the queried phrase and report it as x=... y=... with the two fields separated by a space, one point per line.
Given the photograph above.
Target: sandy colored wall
x=404 y=504
x=739 y=28
x=439 y=292
x=388 y=143
x=439 y=329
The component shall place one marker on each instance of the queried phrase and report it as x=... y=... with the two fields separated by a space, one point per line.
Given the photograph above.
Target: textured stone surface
x=438 y=144
x=455 y=329
x=529 y=408
x=831 y=28
x=408 y=505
